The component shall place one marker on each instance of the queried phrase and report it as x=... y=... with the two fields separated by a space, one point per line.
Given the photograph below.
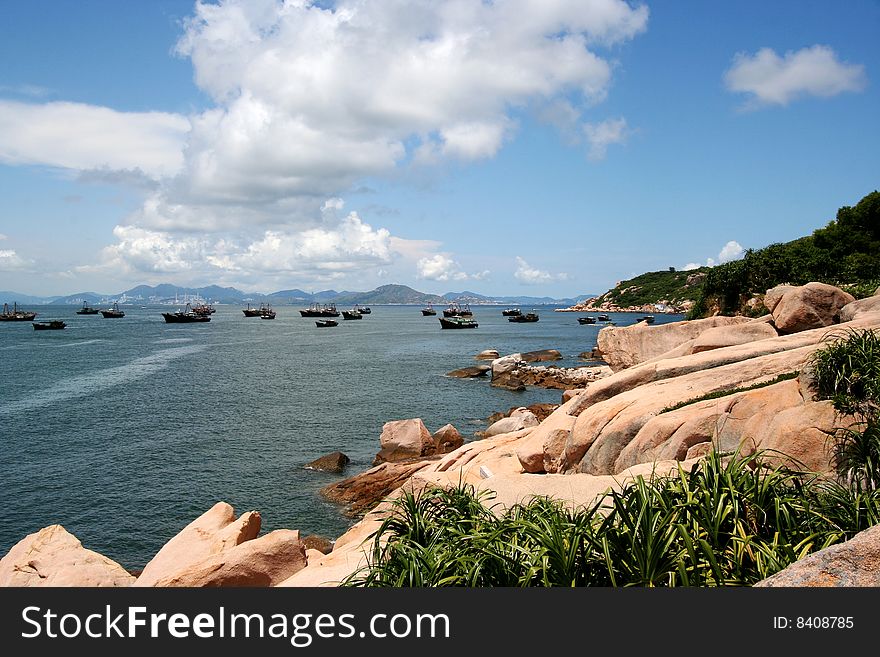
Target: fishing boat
x=317 y=310
x=204 y=309
x=428 y=310
x=456 y=310
x=528 y=317
x=251 y=312
x=16 y=315
x=363 y=310
x=54 y=325
x=267 y=313
x=511 y=312
x=186 y=316
x=354 y=313
x=603 y=318
x=113 y=313
x=648 y=319
x=586 y=320
x=457 y=323
x=87 y=310
x=323 y=323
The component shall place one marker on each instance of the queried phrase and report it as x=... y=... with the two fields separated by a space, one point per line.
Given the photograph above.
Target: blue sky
x=516 y=147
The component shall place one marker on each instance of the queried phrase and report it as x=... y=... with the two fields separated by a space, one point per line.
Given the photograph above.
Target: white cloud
x=730 y=251
x=350 y=246
x=775 y=80
x=529 y=275
x=733 y=250
x=11 y=261
x=440 y=267
x=309 y=100
x=601 y=135
x=82 y=137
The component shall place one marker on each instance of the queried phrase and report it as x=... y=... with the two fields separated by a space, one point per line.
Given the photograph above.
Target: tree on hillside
x=845 y=252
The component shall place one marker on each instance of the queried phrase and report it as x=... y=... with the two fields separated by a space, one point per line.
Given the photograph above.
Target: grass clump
x=728 y=521
x=847 y=372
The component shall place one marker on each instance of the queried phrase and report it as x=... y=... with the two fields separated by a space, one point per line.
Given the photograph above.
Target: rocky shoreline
x=668 y=395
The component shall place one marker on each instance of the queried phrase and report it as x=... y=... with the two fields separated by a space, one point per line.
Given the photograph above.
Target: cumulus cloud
x=774 y=80
x=310 y=253
x=529 y=275
x=733 y=250
x=82 y=137
x=310 y=100
x=601 y=135
x=441 y=267
x=730 y=251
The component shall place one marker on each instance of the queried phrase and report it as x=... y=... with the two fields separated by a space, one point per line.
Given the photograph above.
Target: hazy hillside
x=678 y=289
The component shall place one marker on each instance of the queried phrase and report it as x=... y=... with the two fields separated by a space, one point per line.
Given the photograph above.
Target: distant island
x=169 y=294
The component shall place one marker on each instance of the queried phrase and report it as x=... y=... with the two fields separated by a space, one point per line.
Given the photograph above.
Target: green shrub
x=847 y=372
x=727 y=521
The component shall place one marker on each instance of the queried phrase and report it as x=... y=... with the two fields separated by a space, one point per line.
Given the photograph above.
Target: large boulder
x=333 y=462
x=625 y=346
x=855 y=309
x=446 y=439
x=855 y=562
x=724 y=336
x=503 y=372
x=542 y=448
x=213 y=532
x=738 y=421
x=542 y=355
x=604 y=429
x=774 y=295
x=264 y=561
x=55 y=557
x=470 y=372
x=363 y=491
x=402 y=440
x=519 y=419
x=809 y=306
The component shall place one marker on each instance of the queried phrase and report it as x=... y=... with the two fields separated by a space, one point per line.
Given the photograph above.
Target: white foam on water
x=73 y=344
x=87 y=384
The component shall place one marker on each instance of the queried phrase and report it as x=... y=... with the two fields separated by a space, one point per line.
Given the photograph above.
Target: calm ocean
x=124 y=430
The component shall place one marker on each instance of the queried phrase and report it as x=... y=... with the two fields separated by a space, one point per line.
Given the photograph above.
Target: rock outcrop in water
x=55 y=557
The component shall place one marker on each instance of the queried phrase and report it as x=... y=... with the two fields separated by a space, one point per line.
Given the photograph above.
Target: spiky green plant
x=726 y=521
x=847 y=372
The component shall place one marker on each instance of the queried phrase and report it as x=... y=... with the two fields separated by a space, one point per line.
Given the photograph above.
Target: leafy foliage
x=846 y=252
x=847 y=372
x=653 y=287
x=727 y=521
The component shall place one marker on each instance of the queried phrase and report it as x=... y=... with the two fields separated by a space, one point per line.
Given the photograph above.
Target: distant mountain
x=19 y=298
x=474 y=298
x=390 y=294
x=91 y=298
x=166 y=292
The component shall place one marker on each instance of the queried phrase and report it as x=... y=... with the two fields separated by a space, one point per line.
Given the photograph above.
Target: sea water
x=125 y=430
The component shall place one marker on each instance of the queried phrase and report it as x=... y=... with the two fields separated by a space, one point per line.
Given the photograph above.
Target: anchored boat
x=16 y=315
x=457 y=323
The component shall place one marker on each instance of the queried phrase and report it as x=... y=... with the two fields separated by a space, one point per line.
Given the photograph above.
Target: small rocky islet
x=666 y=396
